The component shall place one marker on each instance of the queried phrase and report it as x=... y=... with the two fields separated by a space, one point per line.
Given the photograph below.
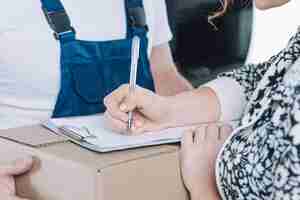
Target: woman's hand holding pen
x=150 y=111
x=153 y=112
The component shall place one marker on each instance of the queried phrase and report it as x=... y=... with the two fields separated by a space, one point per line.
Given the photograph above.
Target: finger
x=148 y=127
x=226 y=131
x=113 y=101
x=115 y=124
x=200 y=134
x=129 y=103
x=213 y=132
x=139 y=99
x=145 y=129
x=138 y=120
x=187 y=139
x=142 y=125
x=115 y=111
x=138 y=124
x=19 y=167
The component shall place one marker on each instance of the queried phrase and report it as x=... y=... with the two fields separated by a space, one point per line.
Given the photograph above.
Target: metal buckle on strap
x=137 y=17
x=59 y=22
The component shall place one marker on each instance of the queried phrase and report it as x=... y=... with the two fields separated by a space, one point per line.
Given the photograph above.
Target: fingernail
x=123 y=107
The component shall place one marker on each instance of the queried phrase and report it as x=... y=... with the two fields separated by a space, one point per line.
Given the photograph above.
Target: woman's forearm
x=193 y=107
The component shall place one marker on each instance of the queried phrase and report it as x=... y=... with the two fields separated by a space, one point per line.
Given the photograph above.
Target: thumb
x=140 y=99
x=18 y=167
x=129 y=103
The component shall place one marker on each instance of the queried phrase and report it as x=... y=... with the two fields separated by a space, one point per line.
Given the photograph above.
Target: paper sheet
x=106 y=139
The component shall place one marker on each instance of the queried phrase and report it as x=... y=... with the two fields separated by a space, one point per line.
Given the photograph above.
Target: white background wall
x=272 y=29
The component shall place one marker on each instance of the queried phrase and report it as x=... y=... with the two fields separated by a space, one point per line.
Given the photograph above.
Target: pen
x=135 y=51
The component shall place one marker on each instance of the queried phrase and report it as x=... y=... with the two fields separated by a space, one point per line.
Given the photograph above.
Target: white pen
x=135 y=53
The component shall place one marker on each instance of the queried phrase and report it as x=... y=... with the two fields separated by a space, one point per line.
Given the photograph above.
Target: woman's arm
x=224 y=98
x=200 y=105
x=168 y=81
x=153 y=112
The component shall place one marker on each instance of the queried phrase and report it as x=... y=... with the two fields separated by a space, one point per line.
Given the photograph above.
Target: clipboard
x=89 y=132
x=81 y=131
x=82 y=141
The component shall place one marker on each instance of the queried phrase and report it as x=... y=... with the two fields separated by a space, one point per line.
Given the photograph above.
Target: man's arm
x=168 y=81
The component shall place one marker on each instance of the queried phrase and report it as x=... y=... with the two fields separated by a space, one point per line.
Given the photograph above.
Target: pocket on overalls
x=88 y=81
x=116 y=64
x=116 y=72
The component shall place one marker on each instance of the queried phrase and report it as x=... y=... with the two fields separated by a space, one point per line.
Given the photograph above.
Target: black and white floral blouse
x=261 y=160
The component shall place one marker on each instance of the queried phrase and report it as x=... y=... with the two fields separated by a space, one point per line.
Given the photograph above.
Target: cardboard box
x=65 y=171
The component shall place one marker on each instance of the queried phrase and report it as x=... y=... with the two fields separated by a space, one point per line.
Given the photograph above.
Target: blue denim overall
x=91 y=70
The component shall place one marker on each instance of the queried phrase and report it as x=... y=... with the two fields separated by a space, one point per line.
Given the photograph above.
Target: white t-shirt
x=29 y=55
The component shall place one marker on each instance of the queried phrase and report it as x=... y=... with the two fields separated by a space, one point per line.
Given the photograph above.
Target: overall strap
x=136 y=18
x=58 y=20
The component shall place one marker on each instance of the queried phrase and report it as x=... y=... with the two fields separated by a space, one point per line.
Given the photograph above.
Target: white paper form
x=107 y=140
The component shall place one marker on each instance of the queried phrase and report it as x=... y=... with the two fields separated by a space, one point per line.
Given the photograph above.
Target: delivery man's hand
x=7 y=174
x=151 y=111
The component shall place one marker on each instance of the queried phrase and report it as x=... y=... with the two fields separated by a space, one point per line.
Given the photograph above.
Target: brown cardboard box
x=66 y=171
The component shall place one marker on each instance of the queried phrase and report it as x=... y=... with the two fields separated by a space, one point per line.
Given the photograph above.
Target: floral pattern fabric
x=262 y=160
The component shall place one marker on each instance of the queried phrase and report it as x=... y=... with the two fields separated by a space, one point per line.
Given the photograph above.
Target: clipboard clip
x=78 y=134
